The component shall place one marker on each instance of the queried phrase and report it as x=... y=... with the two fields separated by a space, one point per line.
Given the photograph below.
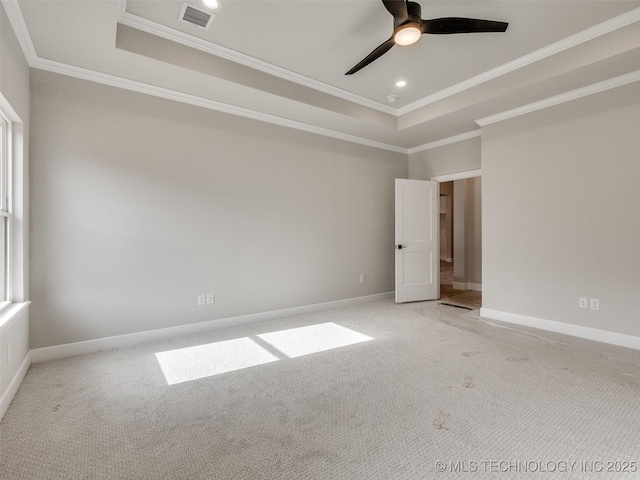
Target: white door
x=417 y=242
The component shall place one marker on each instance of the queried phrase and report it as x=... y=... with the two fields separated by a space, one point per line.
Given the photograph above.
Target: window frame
x=6 y=169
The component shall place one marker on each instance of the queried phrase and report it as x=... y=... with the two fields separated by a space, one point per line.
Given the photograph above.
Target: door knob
x=400 y=247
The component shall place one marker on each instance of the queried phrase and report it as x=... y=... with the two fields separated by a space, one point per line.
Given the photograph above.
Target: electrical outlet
x=211 y=298
x=595 y=304
x=362 y=278
x=582 y=302
x=201 y=300
x=8 y=352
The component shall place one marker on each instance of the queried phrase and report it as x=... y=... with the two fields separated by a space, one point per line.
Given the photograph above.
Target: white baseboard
x=467 y=286
x=12 y=389
x=604 y=336
x=91 y=346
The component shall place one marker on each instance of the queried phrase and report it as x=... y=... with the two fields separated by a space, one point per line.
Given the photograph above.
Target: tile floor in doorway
x=468 y=298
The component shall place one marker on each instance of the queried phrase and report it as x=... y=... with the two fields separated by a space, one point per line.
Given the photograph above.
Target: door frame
x=456 y=176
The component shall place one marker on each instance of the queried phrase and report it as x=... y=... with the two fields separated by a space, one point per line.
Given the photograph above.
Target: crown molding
x=16 y=19
x=445 y=141
x=603 y=28
x=14 y=15
x=148 y=26
x=563 y=98
x=140 y=87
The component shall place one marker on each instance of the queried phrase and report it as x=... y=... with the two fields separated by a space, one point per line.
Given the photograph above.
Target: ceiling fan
x=408 y=26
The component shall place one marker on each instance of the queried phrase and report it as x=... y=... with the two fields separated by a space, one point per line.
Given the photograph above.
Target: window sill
x=11 y=313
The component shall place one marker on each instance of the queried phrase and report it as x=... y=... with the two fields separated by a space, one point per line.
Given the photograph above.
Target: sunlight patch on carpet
x=192 y=363
x=201 y=361
x=296 y=342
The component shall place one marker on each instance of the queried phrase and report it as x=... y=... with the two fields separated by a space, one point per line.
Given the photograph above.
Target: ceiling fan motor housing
x=414 y=12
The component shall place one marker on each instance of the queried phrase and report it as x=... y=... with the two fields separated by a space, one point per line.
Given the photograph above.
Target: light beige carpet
x=430 y=384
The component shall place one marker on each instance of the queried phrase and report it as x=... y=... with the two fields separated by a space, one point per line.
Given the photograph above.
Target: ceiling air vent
x=195 y=16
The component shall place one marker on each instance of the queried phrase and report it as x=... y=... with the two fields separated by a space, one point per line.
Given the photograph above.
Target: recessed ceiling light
x=401 y=83
x=211 y=4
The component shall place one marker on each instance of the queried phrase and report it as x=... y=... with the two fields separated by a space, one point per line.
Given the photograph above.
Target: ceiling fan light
x=407 y=35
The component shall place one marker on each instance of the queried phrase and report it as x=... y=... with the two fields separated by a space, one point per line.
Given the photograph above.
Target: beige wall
x=140 y=204
x=467 y=264
x=453 y=158
x=14 y=70
x=473 y=216
x=14 y=86
x=561 y=216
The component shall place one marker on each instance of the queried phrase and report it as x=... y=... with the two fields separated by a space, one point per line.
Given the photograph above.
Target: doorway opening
x=461 y=240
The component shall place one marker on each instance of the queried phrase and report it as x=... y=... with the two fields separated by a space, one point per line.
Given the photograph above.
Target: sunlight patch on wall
x=192 y=363
x=297 y=342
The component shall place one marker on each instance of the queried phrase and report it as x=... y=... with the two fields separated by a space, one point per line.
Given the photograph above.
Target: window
x=5 y=211
x=14 y=245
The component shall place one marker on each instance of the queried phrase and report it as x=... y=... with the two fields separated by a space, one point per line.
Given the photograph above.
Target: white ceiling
x=284 y=61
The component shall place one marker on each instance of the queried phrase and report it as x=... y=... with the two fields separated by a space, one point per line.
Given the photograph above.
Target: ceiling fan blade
x=377 y=53
x=397 y=8
x=448 y=25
